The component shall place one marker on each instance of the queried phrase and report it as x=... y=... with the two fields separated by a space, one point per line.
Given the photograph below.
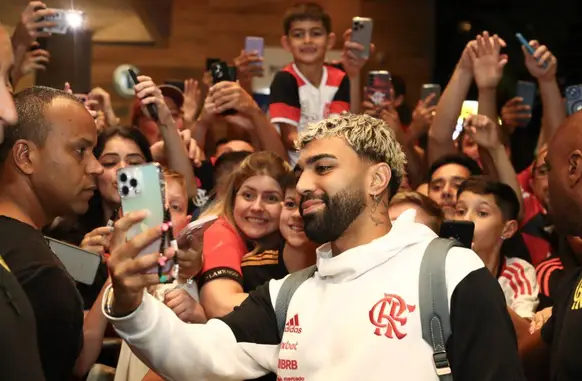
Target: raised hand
x=33 y=60
x=514 y=113
x=229 y=95
x=249 y=65
x=129 y=272
x=351 y=62
x=488 y=62
x=482 y=130
x=30 y=26
x=192 y=97
x=148 y=93
x=422 y=116
x=542 y=64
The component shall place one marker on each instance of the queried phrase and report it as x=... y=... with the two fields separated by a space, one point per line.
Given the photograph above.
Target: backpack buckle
x=441 y=363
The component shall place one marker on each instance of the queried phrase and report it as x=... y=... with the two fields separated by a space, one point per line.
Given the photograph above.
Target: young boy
x=308 y=90
x=493 y=207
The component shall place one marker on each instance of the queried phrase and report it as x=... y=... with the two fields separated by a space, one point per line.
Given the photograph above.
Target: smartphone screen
x=379 y=86
x=254 y=44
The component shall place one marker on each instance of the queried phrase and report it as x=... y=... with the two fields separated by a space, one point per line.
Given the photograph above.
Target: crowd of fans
x=326 y=178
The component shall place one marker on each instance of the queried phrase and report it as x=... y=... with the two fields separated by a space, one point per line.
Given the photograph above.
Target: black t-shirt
x=563 y=331
x=57 y=305
x=19 y=359
x=259 y=268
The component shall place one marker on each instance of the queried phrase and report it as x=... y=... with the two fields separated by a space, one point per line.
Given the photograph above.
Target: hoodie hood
x=354 y=262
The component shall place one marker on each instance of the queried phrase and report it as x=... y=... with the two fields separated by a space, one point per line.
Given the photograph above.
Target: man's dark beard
x=340 y=211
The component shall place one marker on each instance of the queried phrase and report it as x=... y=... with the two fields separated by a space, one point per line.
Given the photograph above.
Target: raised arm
x=174 y=349
x=449 y=108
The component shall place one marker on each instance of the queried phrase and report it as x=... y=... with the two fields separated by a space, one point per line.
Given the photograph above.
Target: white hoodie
x=356 y=319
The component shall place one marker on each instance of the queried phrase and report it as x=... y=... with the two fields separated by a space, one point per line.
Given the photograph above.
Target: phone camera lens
x=124 y=190
x=123 y=177
x=133 y=183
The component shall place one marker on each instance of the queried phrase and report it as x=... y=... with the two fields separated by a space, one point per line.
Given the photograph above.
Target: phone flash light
x=74 y=19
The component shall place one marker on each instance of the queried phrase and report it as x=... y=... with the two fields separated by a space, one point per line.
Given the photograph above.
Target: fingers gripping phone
x=152 y=108
x=428 y=89
x=220 y=73
x=461 y=231
x=379 y=86
x=82 y=265
x=142 y=187
x=65 y=19
x=362 y=34
x=530 y=49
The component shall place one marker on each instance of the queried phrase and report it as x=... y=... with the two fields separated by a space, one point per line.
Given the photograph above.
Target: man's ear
x=25 y=155
x=379 y=179
x=331 y=38
x=574 y=167
x=509 y=229
x=285 y=43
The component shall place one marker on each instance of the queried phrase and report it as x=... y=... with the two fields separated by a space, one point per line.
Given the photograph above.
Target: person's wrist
x=120 y=304
x=546 y=79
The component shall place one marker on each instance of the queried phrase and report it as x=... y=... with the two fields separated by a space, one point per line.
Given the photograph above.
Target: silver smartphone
x=64 y=19
x=362 y=34
x=142 y=187
x=81 y=264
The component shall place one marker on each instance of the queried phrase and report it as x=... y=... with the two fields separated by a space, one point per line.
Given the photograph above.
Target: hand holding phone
x=82 y=265
x=428 y=89
x=61 y=20
x=152 y=108
x=362 y=34
x=529 y=49
x=195 y=230
x=220 y=73
x=527 y=92
x=142 y=187
x=379 y=87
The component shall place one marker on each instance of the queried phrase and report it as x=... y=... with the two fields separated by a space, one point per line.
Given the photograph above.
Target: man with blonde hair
x=357 y=316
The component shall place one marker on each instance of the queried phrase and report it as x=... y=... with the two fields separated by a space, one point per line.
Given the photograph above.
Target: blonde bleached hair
x=372 y=139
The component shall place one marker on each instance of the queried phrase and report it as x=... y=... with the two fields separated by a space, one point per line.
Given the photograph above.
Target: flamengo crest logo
x=389 y=315
x=292 y=326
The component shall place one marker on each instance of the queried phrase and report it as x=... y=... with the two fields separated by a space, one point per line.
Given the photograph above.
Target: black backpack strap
x=288 y=288
x=434 y=303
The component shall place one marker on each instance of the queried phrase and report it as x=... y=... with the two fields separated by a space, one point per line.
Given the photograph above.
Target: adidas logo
x=292 y=326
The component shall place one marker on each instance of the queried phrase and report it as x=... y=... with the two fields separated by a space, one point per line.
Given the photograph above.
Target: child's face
x=490 y=225
x=308 y=41
x=291 y=223
x=178 y=203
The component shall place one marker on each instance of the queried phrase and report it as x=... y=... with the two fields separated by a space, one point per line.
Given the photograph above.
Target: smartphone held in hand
x=195 y=229
x=82 y=265
x=65 y=20
x=526 y=91
x=362 y=34
x=428 y=89
x=142 y=187
x=255 y=45
x=379 y=87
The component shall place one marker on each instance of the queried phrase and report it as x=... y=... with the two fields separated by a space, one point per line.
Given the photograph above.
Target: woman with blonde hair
x=242 y=248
